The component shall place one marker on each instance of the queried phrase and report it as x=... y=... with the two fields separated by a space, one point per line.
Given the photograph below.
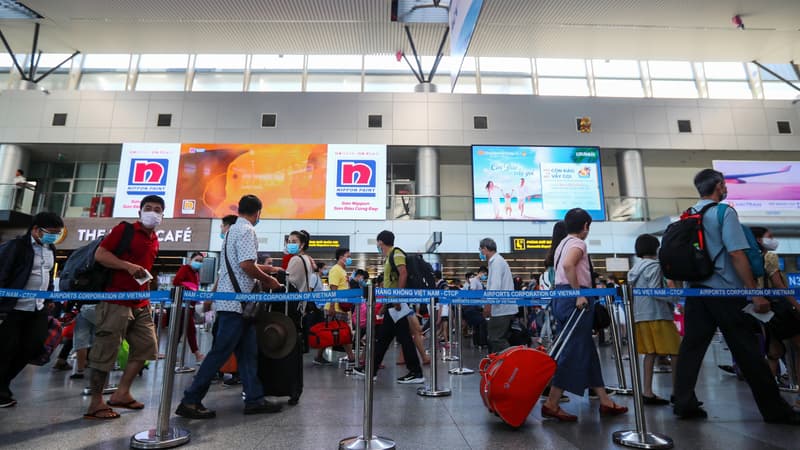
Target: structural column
x=12 y=157
x=427 y=183
x=632 y=187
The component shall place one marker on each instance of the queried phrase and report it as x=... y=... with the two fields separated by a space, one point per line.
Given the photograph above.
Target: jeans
x=234 y=335
x=22 y=336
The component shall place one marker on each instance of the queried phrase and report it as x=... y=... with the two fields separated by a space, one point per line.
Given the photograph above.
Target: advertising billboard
x=293 y=181
x=762 y=188
x=535 y=183
x=146 y=169
x=463 y=18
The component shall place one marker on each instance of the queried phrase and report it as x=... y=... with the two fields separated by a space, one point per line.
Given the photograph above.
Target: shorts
x=115 y=323
x=84 y=328
x=658 y=337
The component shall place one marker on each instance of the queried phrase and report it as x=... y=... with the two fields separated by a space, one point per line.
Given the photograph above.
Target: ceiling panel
x=653 y=29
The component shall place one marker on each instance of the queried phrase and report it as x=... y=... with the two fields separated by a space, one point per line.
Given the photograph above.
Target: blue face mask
x=362 y=283
x=483 y=277
x=348 y=261
x=292 y=248
x=222 y=235
x=257 y=221
x=196 y=265
x=482 y=256
x=325 y=272
x=49 y=238
x=379 y=249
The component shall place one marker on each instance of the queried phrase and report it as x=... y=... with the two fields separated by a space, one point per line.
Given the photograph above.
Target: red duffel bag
x=329 y=334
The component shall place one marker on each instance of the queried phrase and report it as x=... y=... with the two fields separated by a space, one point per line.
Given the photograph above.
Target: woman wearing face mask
x=783 y=331
x=188 y=277
x=300 y=267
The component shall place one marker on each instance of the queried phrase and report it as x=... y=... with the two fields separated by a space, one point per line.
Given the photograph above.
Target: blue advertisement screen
x=535 y=183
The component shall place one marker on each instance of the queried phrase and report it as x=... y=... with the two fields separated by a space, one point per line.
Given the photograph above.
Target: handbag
x=250 y=310
x=330 y=334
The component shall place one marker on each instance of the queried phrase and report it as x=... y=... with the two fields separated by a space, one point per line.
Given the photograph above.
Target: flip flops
x=133 y=404
x=96 y=415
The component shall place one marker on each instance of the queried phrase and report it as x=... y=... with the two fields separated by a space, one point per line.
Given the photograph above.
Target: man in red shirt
x=125 y=319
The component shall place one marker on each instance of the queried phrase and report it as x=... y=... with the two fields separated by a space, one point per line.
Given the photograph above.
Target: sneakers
x=262 y=407
x=411 y=378
x=321 y=361
x=7 y=402
x=232 y=381
x=362 y=372
x=76 y=376
x=197 y=411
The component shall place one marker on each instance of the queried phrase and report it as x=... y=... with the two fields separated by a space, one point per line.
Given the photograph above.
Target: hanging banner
x=146 y=169
x=356 y=183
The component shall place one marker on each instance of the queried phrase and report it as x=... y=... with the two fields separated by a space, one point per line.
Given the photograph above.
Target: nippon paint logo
x=148 y=176
x=356 y=178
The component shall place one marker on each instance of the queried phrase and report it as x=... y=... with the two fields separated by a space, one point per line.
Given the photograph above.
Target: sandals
x=133 y=404
x=102 y=414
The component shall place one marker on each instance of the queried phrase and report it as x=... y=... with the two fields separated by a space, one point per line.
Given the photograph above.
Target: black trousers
x=386 y=333
x=703 y=316
x=22 y=336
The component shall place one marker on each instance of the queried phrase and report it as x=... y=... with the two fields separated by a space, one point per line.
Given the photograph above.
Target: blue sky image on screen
x=535 y=183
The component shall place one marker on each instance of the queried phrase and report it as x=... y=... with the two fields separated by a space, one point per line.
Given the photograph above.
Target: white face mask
x=770 y=244
x=150 y=219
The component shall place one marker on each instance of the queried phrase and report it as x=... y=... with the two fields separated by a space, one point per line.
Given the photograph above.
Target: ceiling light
x=12 y=10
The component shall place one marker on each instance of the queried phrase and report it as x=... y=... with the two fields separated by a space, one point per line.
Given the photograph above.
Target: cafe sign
x=173 y=234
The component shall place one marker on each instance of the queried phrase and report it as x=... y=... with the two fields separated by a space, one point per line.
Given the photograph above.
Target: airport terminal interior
x=442 y=121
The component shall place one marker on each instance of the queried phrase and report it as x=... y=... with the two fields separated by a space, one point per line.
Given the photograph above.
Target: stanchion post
x=181 y=368
x=447 y=355
x=367 y=440
x=640 y=437
x=432 y=389
x=164 y=435
x=622 y=386
x=357 y=343
x=159 y=315
x=460 y=370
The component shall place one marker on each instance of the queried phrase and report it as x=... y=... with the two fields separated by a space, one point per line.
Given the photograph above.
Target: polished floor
x=50 y=407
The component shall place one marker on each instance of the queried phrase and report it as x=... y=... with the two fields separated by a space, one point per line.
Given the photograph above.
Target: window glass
x=83 y=191
x=110 y=170
x=336 y=63
x=389 y=83
x=506 y=85
x=615 y=68
x=56 y=81
x=103 y=81
x=577 y=87
x=778 y=90
x=673 y=89
x=467 y=84
x=385 y=64
x=63 y=170
x=211 y=81
x=219 y=62
x=158 y=62
x=505 y=65
x=618 y=88
x=724 y=71
x=106 y=61
x=784 y=70
x=88 y=170
x=729 y=89
x=5 y=60
x=560 y=67
x=276 y=82
x=160 y=82
x=108 y=186
x=50 y=60
x=674 y=70
x=277 y=62
x=333 y=83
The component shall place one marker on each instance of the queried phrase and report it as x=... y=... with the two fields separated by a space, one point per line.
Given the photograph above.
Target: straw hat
x=276 y=334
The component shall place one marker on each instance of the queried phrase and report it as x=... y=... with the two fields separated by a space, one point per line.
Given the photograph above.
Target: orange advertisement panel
x=288 y=178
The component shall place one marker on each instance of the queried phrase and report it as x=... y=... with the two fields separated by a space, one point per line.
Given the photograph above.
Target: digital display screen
x=762 y=188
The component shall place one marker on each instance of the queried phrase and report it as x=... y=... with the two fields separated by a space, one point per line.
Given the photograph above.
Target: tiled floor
x=50 y=407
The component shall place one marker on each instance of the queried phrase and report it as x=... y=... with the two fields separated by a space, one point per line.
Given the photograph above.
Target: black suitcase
x=283 y=377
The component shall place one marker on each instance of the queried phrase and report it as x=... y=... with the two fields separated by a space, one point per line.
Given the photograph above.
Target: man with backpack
x=125 y=319
x=500 y=279
x=25 y=263
x=725 y=243
x=395 y=319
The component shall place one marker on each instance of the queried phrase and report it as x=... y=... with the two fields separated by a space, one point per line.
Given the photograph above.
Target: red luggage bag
x=330 y=334
x=513 y=380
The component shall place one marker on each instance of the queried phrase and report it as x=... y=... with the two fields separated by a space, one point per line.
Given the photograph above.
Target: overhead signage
x=463 y=17
x=526 y=243
x=173 y=234
x=146 y=169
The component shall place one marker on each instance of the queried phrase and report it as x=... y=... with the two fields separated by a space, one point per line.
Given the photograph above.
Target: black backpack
x=420 y=272
x=82 y=273
x=683 y=254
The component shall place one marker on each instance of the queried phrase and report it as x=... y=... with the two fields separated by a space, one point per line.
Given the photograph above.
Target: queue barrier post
x=622 y=385
x=181 y=367
x=460 y=370
x=164 y=435
x=432 y=390
x=640 y=437
x=367 y=440
x=357 y=343
x=447 y=354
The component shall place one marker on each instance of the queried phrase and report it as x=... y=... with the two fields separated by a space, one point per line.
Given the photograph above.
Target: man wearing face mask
x=499 y=279
x=25 y=263
x=188 y=276
x=125 y=319
x=337 y=279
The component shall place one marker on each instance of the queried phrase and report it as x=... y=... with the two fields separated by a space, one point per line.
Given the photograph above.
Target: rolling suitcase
x=513 y=380
x=283 y=377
